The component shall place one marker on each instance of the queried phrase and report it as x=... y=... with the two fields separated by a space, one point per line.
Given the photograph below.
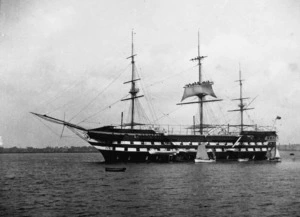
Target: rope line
x=103 y=109
x=171 y=76
x=60 y=94
x=49 y=128
x=167 y=115
x=100 y=93
x=148 y=98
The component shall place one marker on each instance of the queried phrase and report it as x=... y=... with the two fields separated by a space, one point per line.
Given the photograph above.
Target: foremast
x=133 y=90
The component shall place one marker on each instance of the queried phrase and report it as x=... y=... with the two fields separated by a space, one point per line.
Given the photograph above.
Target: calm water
x=77 y=185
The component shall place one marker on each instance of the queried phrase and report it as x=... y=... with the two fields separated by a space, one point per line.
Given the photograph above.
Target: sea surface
x=66 y=184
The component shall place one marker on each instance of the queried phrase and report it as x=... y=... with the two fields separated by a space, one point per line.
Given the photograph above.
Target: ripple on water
x=76 y=184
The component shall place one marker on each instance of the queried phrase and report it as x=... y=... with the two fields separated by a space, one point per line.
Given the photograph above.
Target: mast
x=199 y=89
x=201 y=98
x=121 y=120
x=241 y=99
x=133 y=90
x=242 y=106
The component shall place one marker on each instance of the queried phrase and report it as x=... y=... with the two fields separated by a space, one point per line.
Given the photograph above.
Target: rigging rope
x=141 y=113
x=171 y=76
x=67 y=103
x=51 y=130
x=100 y=92
x=60 y=94
x=168 y=114
x=250 y=119
x=40 y=120
x=148 y=98
x=103 y=109
x=149 y=101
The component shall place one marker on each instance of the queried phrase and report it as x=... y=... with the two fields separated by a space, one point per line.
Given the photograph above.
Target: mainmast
x=133 y=90
x=201 y=97
x=199 y=89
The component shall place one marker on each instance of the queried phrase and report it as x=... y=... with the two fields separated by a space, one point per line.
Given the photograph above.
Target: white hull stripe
x=103 y=148
x=132 y=149
x=174 y=143
x=109 y=148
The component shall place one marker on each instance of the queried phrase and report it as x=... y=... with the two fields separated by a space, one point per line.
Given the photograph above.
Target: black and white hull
x=118 y=145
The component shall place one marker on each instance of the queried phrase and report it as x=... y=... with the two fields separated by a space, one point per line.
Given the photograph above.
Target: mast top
x=199 y=58
x=240 y=74
x=132 y=48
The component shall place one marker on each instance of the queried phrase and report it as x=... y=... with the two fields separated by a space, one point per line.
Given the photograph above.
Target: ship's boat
x=135 y=142
x=274 y=155
x=115 y=169
x=197 y=160
x=202 y=156
x=243 y=159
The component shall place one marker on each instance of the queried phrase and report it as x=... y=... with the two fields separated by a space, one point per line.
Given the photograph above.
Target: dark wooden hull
x=142 y=157
x=251 y=155
x=148 y=146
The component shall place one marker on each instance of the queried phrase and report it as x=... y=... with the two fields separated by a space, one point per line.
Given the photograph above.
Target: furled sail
x=197 y=89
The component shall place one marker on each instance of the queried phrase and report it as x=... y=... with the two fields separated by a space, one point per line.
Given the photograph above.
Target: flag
x=278 y=118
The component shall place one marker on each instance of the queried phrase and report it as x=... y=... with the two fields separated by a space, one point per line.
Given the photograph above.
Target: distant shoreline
x=292 y=147
x=72 y=149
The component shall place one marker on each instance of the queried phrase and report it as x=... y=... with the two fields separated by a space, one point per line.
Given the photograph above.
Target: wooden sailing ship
x=127 y=143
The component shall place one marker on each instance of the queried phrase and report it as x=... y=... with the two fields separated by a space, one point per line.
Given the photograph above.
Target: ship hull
x=138 y=154
x=147 y=146
x=234 y=156
x=112 y=156
x=137 y=157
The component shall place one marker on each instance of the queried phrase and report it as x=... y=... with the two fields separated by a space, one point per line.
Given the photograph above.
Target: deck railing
x=211 y=130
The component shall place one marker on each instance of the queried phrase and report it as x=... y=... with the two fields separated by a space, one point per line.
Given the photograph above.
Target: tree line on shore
x=65 y=149
x=289 y=147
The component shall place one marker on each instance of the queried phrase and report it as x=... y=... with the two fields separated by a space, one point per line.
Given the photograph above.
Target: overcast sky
x=67 y=58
